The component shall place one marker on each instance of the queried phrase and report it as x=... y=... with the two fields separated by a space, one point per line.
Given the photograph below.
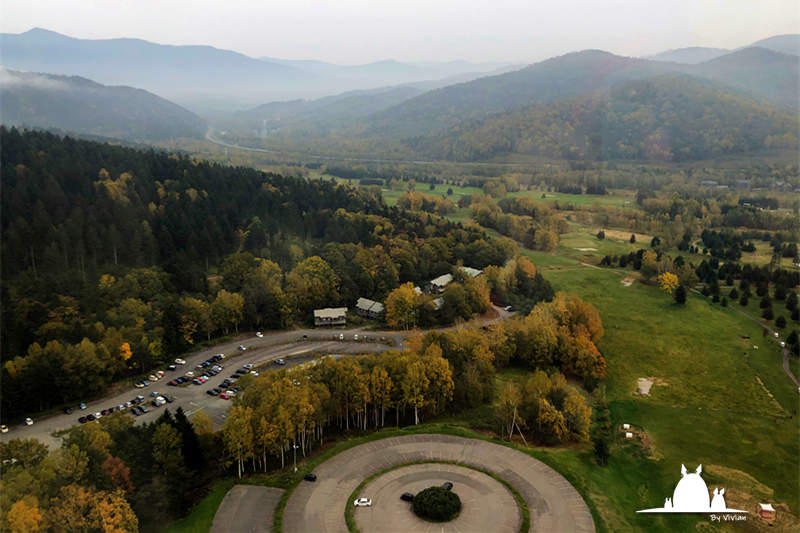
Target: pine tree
x=680 y=295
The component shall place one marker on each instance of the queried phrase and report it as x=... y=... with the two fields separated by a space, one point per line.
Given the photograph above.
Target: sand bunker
x=644 y=386
x=587 y=249
x=627 y=282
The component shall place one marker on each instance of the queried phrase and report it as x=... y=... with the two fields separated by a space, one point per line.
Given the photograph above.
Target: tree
x=668 y=282
x=602 y=451
x=415 y=386
x=715 y=298
x=655 y=242
x=237 y=435
x=312 y=285
x=449 y=192
x=633 y=239
x=118 y=473
x=506 y=408
x=733 y=295
x=432 y=187
x=687 y=276
x=402 y=306
x=768 y=314
x=680 y=295
x=743 y=301
x=601 y=235
x=649 y=264
x=724 y=302
x=166 y=446
x=578 y=415
x=791 y=301
x=780 y=322
x=766 y=302
x=24 y=516
x=228 y=308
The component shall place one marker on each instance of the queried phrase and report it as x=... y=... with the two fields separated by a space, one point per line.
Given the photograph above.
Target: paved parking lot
x=486 y=505
x=247 y=508
x=193 y=398
x=554 y=504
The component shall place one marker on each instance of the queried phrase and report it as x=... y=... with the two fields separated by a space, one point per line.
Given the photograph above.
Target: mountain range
x=785 y=44
x=199 y=77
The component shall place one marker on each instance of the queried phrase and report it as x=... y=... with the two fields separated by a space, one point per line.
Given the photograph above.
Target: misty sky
x=361 y=31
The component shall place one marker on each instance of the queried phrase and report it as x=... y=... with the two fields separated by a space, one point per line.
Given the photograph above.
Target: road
x=318 y=507
x=193 y=398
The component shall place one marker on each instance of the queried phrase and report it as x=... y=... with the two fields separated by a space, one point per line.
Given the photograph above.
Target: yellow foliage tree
x=668 y=282
x=125 y=351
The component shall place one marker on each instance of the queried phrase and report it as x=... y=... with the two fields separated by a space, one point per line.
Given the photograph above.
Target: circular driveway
x=486 y=505
x=319 y=507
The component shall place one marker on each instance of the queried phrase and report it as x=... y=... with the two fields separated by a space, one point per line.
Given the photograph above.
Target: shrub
x=601 y=235
x=680 y=295
x=633 y=239
x=724 y=301
x=437 y=504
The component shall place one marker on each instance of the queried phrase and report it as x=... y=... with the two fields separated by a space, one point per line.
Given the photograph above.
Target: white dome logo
x=692 y=496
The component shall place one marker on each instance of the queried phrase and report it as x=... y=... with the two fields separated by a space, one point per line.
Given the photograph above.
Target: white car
x=153 y=378
x=248 y=366
x=259 y=334
x=180 y=362
x=254 y=373
x=98 y=416
x=221 y=355
x=341 y=336
x=783 y=344
x=28 y=422
x=3 y=429
x=776 y=335
x=363 y=502
x=140 y=385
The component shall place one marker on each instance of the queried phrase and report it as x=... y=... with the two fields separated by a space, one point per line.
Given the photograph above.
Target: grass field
x=707 y=405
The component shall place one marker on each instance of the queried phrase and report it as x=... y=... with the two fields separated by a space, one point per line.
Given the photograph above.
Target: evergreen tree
x=768 y=314
x=680 y=295
x=780 y=322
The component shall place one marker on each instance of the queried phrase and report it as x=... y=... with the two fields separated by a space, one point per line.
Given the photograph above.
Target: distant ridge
x=79 y=105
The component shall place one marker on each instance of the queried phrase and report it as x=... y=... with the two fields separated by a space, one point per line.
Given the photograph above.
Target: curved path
x=319 y=507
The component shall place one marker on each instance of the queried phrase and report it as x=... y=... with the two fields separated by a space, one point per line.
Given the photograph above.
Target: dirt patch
x=587 y=249
x=626 y=235
x=627 y=282
x=644 y=386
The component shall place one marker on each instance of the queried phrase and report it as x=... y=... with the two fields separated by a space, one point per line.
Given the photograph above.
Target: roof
x=766 y=507
x=417 y=290
x=330 y=312
x=438 y=303
x=369 y=305
x=441 y=281
x=474 y=272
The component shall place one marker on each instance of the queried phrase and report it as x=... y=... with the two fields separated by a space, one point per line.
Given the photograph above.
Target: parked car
x=82 y=406
x=143 y=409
x=508 y=308
x=305 y=337
x=172 y=383
x=341 y=336
x=363 y=502
x=259 y=334
x=91 y=418
x=211 y=392
x=355 y=337
x=407 y=497
x=154 y=393
x=190 y=374
x=128 y=404
x=4 y=429
x=97 y=415
x=235 y=376
x=783 y=344
x=105 y=412
x=180 y=362
x=310 y=477
x=136 y=411
x=224 y=385
x=248 y=366
x=254 y=373
x=146 y=383
x=235 y=390
x=241 y=371
x=171 y=367
x=153 y=378
x=120 y=407
x=280 y=362
x=221 y=356
x=81 y=420
x=140 y=385
x=160 y=373
x=225 y=396
x=168 y=398
x=242 y=348
x=447 y=485
x=776 y=335
x=67 y=411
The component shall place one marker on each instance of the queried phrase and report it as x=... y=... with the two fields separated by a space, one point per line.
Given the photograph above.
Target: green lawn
x=709 y=406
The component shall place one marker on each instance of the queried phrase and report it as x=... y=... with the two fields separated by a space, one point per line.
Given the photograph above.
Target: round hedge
x=437 y=504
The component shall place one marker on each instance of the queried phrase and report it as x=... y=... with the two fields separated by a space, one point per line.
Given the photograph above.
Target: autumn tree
x=238 y=435
x=402 y=306
x=668 y=282
x=227 y=309
x=415 y=386
x=506 y=408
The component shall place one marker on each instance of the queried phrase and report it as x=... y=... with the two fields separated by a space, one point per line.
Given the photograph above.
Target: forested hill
x=558 y=78
x=761 y=72
x=115 y=260
x=75 y=104
x=668 y=118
